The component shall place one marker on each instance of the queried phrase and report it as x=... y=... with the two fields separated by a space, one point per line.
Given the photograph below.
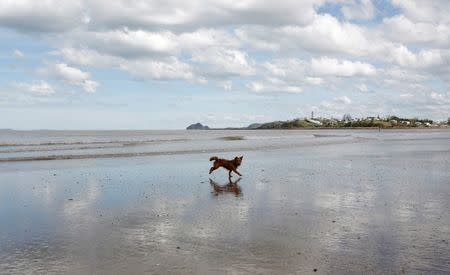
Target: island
x=197 y=126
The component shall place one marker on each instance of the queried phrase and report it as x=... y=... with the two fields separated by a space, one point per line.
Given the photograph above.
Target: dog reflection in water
x=230 y=187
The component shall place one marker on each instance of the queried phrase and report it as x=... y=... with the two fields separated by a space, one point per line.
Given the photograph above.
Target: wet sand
x=368 y=207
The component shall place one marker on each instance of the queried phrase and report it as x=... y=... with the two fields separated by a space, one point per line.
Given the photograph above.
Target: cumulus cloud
x=216 y=50
x=359 y=10
x=41 y=16
x=86 y=57
x=424 y=10
x=325 y=34
x=71 y=75
x=402 y=29
x=222 y=61
x=273 y=87
x=332 y=66
x=336 y=107
x=193 y=14
x=291 y=74
x=57 y=16
x=131 y=44
x=171 y=68
x=423 y=59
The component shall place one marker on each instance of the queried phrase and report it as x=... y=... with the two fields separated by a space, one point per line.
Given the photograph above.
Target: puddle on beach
x=348 y=208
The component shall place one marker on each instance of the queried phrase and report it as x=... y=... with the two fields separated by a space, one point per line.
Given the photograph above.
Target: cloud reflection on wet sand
x=334 y=208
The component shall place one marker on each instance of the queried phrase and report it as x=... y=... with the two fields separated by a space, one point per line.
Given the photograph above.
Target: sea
x=53 y=145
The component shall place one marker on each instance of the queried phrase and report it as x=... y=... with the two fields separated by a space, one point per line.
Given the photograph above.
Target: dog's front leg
x=236 y=172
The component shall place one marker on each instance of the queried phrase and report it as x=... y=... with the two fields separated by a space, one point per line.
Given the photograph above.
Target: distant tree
x=448 y=121
x=347 y=117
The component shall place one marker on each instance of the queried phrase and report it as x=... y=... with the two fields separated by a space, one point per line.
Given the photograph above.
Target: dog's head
x=238 y=160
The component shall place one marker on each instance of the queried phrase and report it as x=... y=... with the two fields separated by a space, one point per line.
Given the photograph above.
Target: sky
x=164 y=64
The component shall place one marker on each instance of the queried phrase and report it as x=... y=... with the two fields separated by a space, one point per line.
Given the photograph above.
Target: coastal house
x=316 y=122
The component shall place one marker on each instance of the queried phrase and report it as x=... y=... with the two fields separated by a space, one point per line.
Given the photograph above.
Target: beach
x=309 y=202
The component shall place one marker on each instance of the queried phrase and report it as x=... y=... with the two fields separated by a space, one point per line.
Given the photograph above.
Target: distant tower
x=312 y=114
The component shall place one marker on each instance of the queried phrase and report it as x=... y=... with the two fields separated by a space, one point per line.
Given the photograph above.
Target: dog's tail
x=213 y=158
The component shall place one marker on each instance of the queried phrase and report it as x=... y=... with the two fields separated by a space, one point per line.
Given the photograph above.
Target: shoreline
x=186 y=152
x=215 y=129
x=195 y=142
x=327 y=128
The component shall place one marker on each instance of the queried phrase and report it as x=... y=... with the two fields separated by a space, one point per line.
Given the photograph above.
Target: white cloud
x=130 y=44
x=296 y=75
x=402 y=29
x=256 y=87
x=41 y=16
x=86 y=57
x=205 y=38
x=224 y=61
x=38 y=87
x=18 y=54
x=290 y=68
x=71 y=75
x=248 y=36
x=362 y=88
x=423 y=59
x=278 y=87
x=440 y=97
x=171 y=68
x=338 y=104
x=325 y=34
x=425 y=10
x=314 y=80
x=90 y=86
x=59 y=16
x=227 y=85
x=406 y=95
x=192 y=14
x=330 y=66
x=343 y=100
x=359 y=10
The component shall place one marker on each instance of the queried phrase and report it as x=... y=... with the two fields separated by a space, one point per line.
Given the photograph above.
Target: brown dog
x=230 y=165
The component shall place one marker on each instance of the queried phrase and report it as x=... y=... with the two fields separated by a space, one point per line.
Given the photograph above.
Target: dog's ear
x=241 y=157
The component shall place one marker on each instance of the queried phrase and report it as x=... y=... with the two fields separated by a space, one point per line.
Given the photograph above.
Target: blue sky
x=165 y=64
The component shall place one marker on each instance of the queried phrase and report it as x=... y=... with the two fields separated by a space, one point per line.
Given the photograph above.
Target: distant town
x=346 y=122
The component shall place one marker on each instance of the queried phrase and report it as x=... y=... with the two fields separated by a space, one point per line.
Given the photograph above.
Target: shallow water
x=355 y=204
x=46 y=145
